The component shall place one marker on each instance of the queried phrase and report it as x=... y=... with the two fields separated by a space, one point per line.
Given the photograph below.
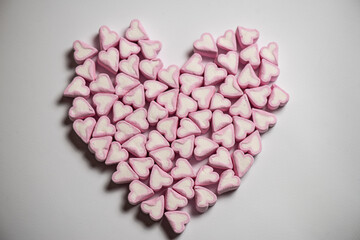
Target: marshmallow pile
x=175 y=134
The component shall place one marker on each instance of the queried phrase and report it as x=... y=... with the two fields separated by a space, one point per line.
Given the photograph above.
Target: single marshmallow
x=116 y=154
x=174 y=200
x=203 y=96
x=251 y=144
x=136 y=31
x=242 y=162
x=184 y=146
x=185 y=187
x=277 y=98
x=187 y=128
x=268 y=72
x=120 y=111
x=153 y=88
x=142 y=166
x=248 y=78
x=156 y=112
x=246 y=36
x=102 y=84
x=228 y=182
x=136 y=145
x=139 y=192
x=204 y=198
x=138 y=119
x=258 y=96
x=202 y=119
x=83 y=51
x=87 y=70
x=177 y=220
x=124 y=83
x=250 y=55
x=80 y=109
x=149 y=48
x=219 y=102
x=100 y=147
x=124 y=174
x=156 y=141
x=206 y=46
x=189 y=82
x=84 y=128
x=163 y=157
x=109 y=59
x=194 y=65
x=204 y=147
x=168 y=127
x=104 y=102
x=206 y=176
x=127 y=48
x=263 y=120
x=221 y=159
x=225 y=136
x=229 y=61
x=241 y=107
x=243 y=127
x=108 y=38
x=270 y=52
x=135 y=97
x=130 y=66
x=154 y=207
x=170 y=76
x=185 y=105
x=77 y=88
x=220 y=120
x=104 y=127
x=150 y=68
x=213 y=74
x=182 y=169
x=227 y=42
x=230 y=88
x=168 y=100
x=125 y=131
x=159 y=178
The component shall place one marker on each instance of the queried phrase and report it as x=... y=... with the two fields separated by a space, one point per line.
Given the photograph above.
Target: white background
x=304 y=185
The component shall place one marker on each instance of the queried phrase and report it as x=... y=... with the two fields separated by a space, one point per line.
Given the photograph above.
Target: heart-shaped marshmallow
x=206 y=46
x=159 y=178
x=225 y=136
x=127 y=48
x=108 y=38
x=124 y=83
x=156 y=141
x=150 y=68
x=246 y=36
x=109 y=59
x=84 y=128
x=187 y=128
x=263 y=120
x=163 y=157
x=135 y=97
x=100 y=147
x=104 y=127
x=242 y=127
x=242 y=162
x=104 y=102
x=270 y=52
x=213 y=74
x=203 y=96
x=227 y=41
x=251 y=144
x=170 y=76
x=204 y=198
x=125 y=131
x=189 y=82
x=206 y=176
x=184 y=146
x=168 y=127
x=102 y=84
x=138 y=119
x=228 y=182
x=83 y=51
x=177 y=220
x=149 y=48
x=204 y=147
x=194 y=65
x=182 y=169
x=250 y=55
x=142 y=166
x=248 y=78
x=277 y=98
x=258 y=96
x=120 y=111
x=87 y=70
x=156 y=112
x=268 y=72
x=185 y=187
x=153 y=88
x=169 y=100
x=139 y=192
x=219 y=102
x=124 y=174
x=174 y=200
x=241 y=107
x=154 y=207
x=77 y=88
x=136 y=145
x=185 y=105
x=220 y=120
x=136 y=31
x=80 y=109
x=230 y=88
x=202 y=119
x=116 y=154
x=229 y=61
x=221 y=159
x=130 y=66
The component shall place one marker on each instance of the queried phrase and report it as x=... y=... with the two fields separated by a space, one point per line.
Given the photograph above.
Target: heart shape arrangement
x=154 y=122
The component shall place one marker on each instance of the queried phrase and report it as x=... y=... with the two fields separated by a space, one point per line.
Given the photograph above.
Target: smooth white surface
x=304 y=185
